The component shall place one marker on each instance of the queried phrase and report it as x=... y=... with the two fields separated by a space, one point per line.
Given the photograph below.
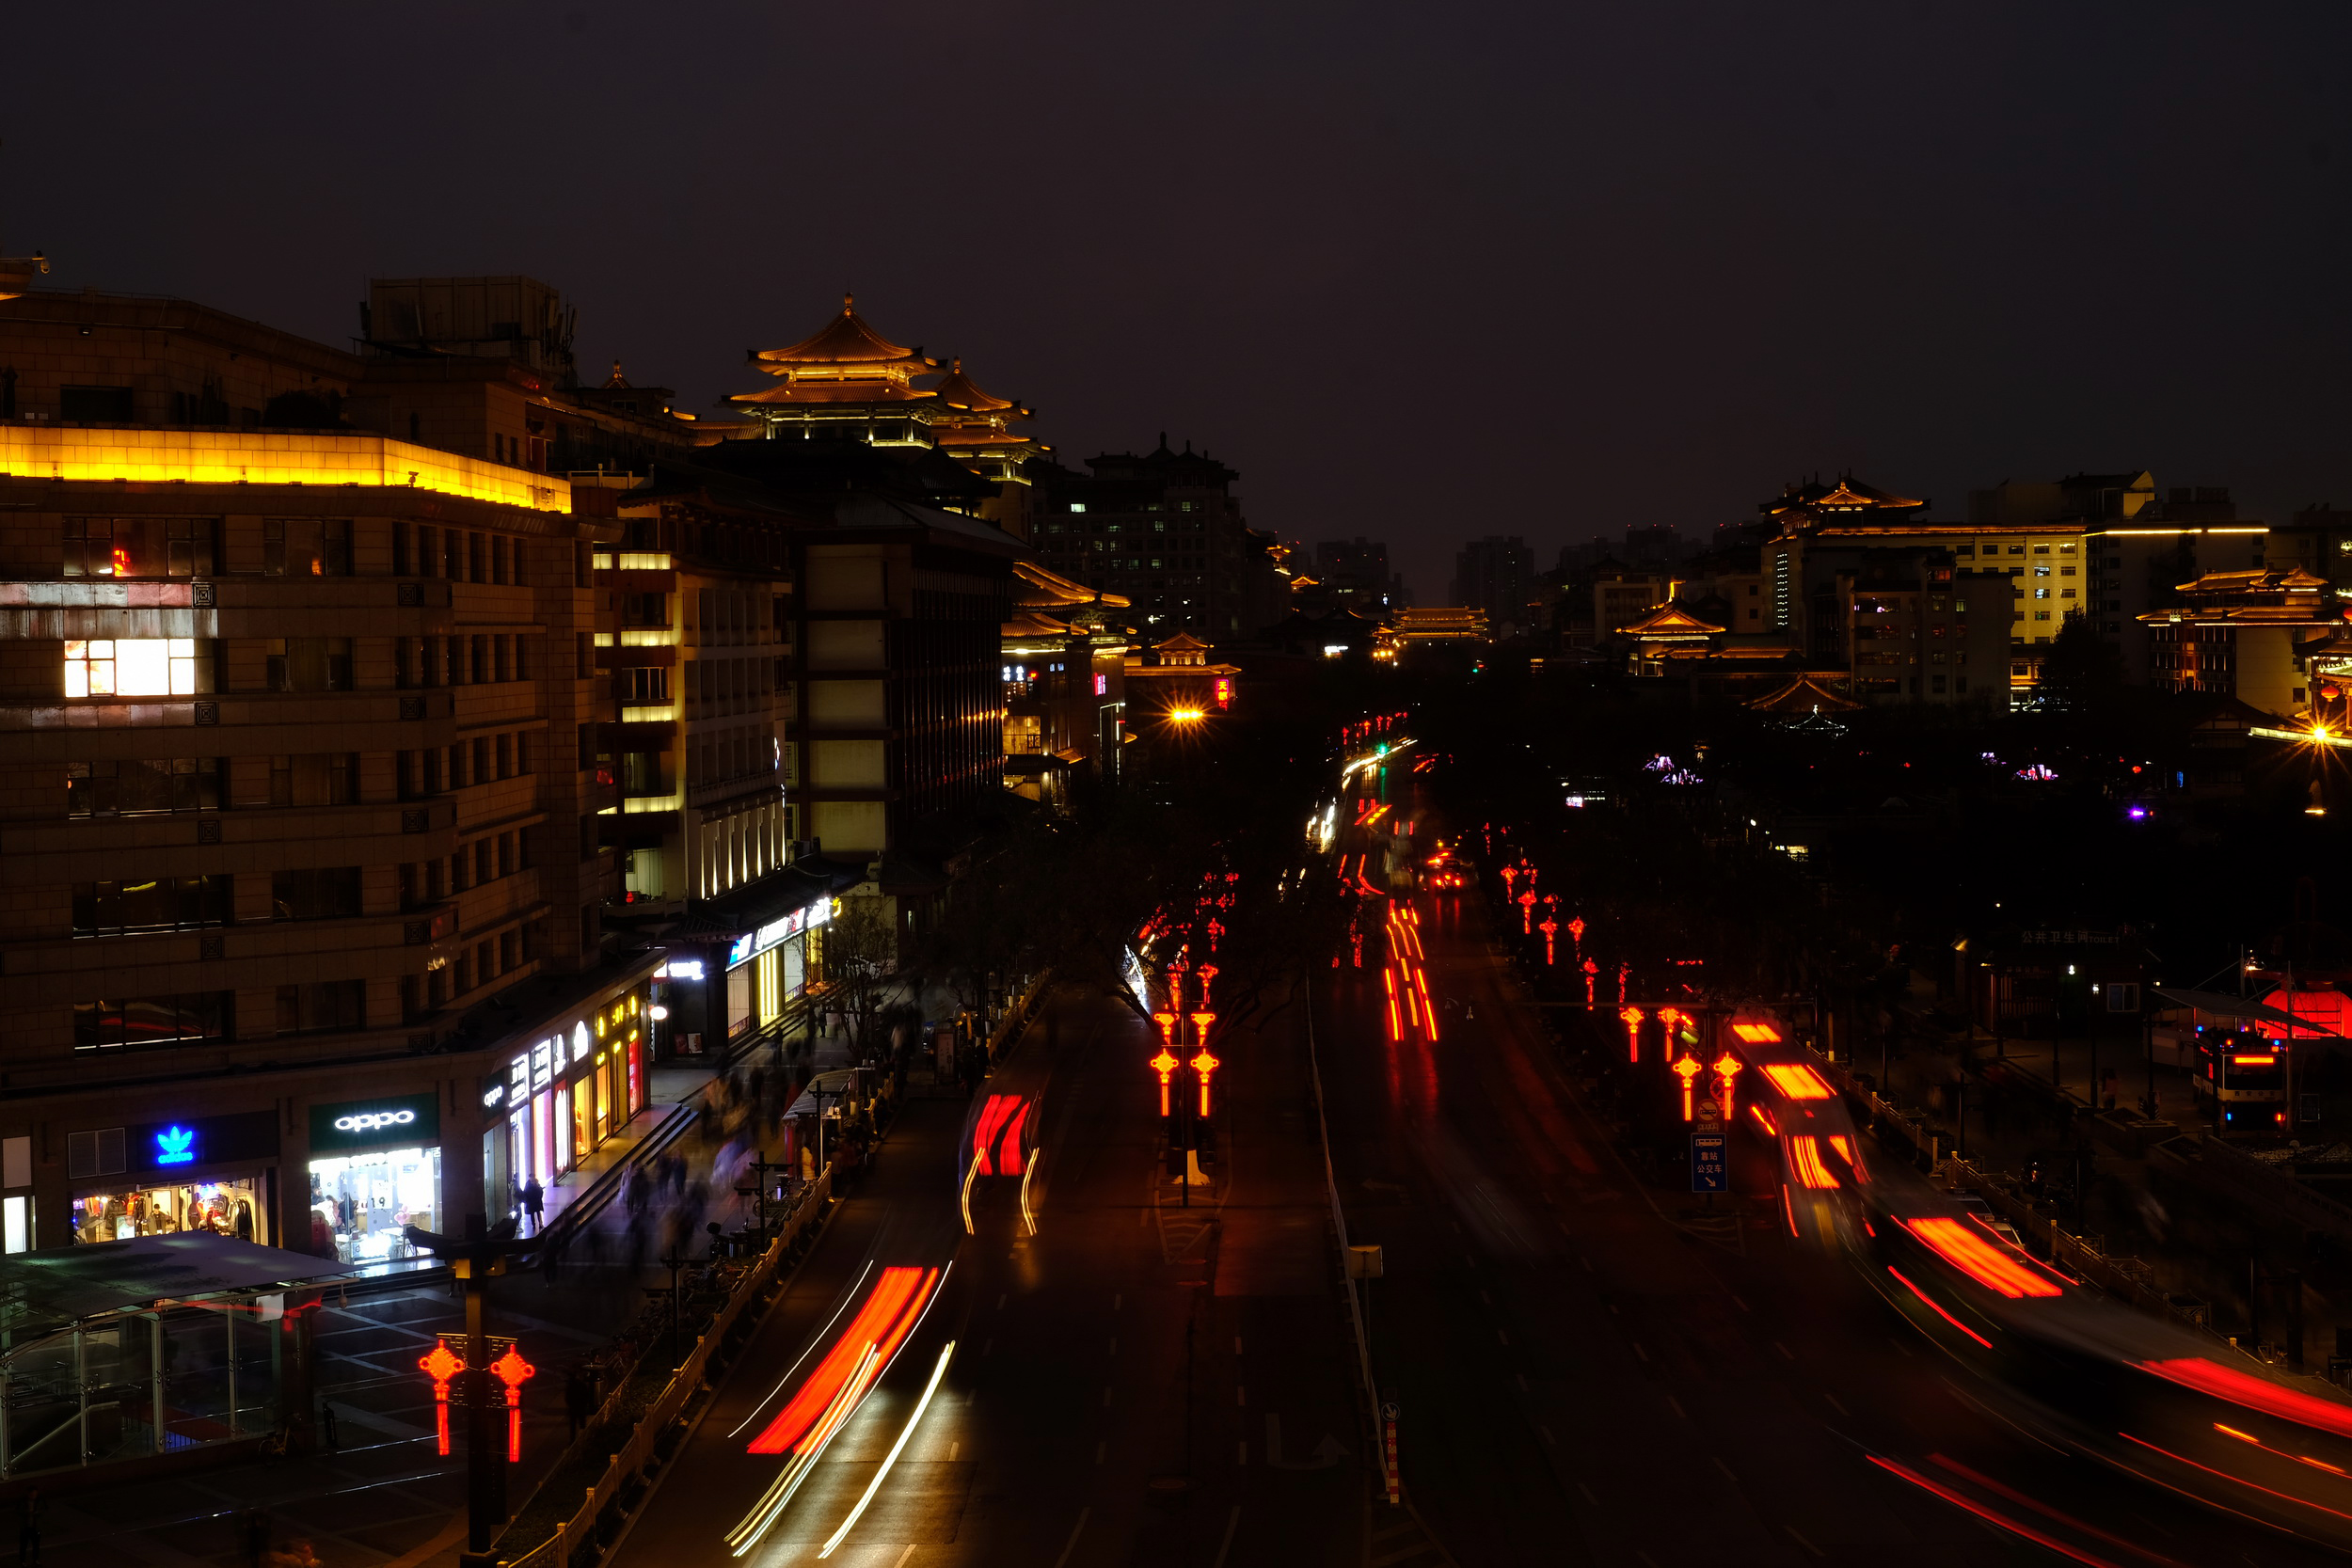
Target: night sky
x=1420 y=273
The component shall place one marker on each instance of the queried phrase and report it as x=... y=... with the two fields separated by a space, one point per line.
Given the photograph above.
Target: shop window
x=231 y=1207
x=359 y=1203
x=314 y=779
x=101 y=1152
x=322 y=1007
x=142 y=788
x=139 y=667
x=305 y=547
x=159 y=904
x=314 y=893
x=309 y=663
x=153 y=1021
x=140 y=546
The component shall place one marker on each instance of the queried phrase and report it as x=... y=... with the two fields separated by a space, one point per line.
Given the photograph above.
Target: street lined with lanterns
x=1636 y=1368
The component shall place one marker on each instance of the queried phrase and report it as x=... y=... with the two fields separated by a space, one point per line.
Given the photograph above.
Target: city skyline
x=1699 y=290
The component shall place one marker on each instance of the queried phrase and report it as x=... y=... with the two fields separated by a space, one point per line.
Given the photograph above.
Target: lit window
x=131 y=667
x=1077 y=506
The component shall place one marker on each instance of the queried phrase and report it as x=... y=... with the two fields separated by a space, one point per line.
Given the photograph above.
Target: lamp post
x=475 y=1260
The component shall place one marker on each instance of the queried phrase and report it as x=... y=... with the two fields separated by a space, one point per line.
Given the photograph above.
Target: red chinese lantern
x=440 y=1366
x=512 y=1371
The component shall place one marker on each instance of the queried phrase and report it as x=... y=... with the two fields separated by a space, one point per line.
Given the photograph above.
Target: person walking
x=535 y=1202
x=326 y=1425
x=579 y=1399
x=256 y=1537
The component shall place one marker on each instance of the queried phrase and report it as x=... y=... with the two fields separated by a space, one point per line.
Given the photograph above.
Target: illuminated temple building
x=848 y=383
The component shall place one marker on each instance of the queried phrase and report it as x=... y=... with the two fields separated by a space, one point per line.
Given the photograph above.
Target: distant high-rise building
x=1356 y=573
x=1166 y=530
x=1496 y=575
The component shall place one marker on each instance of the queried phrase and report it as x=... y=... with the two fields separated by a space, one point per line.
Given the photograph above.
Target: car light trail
x=888 y=1315
x=2299 y=1458
x=1989 y=1484
x=1764 y=1121
x=773 y=1502
x=1028 y=1216
x=1994 y=1516
x=938 y=1372
x=2249 y=1485
x=1797 y=1081
x=1844 y=1146
x=1804 y=1153
x=2254 y=1393
x=1986 y=1261
x=1938 y=1310
x=811 y=1351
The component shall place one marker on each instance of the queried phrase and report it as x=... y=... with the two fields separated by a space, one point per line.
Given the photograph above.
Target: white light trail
x=873 y=1486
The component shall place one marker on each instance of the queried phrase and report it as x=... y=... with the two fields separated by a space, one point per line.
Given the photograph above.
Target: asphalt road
x=1117 y=1378
x=1593 y=1370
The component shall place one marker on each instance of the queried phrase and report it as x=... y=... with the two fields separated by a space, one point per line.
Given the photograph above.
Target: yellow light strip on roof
x=146 y=455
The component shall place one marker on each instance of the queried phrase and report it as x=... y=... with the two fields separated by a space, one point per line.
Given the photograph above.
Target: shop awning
x=825 y=1086
x=49 y=1289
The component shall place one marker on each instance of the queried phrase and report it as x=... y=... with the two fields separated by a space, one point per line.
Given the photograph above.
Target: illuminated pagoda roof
x=846 y=362
x=1043 y=589
x=1846 y=500
x=958 y=391
x=2287 y=595
x=1669 y=622
x=1804 y=693
x=1182 y=649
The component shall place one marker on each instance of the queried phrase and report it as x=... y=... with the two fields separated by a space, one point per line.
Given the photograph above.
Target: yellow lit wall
x=159 y=454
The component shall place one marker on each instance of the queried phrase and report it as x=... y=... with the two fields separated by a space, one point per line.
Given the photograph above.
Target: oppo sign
x=369 y=1122
x=401 y=1121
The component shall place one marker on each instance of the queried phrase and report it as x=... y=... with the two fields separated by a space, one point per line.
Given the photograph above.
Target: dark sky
x=1418 y=271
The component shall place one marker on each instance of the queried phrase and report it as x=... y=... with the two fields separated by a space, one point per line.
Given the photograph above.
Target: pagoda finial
x=848 y=302
x=955 y=365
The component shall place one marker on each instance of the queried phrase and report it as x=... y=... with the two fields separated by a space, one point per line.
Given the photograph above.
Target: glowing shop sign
x=374 y=1121
x=752 y=945
x=176 y=1145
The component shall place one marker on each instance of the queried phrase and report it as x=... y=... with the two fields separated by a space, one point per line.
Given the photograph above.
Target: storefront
x=563 y=1096
x=197 y=1173
x=770 y=966
x=375 y=1166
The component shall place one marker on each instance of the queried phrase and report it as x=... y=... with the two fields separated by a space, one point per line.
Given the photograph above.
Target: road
x=1597 y=1368
x=1117 y=1377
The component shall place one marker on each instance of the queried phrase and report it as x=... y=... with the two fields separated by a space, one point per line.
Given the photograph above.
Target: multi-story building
x=1496 y=576
x=302 y=938
x=1355 y=574
x=2266 y=637
x=1911 y=626
x=1164 y=532
x=1065 y=683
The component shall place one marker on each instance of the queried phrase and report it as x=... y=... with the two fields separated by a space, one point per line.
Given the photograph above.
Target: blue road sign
x=1707 y=1163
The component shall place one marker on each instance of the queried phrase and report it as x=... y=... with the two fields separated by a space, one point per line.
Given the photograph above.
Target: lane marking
x=1677 y=1405
x=1233 y=1522
x=1114 y=1344
x=1549 y=1439
x=988 y=1349
x=1245 y=1454
x=903 y=1556
x=1834 y=1406
x=1074 y=1531
x=1485 y=1297
x=1588 y=1493
x=1586 y=1261
x=1806 y=1544
x=1107 y=1396
x=1725 y=1469
x=1785 y=1352
x=938 y=1372
x=953 y=1450
x=1241 y=1394
x=1100 y=1449
x=1504 y=1338
x=1742 y=1306
x=1523 y=1377
x=1000 y=1303
x=1236 y=1344
x=1639 y=1350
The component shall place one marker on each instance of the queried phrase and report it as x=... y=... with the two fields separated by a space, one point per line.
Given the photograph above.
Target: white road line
x=1785 y=1352
x=953 y=1450
x=1100 y=1449
x=1639 y=1350
x=988 y=1349
x=1834 y=1406
x=1588 y=1493
x=1245 y=1454
x=1726 y=1470
x=1074 y=1531
x=1549 y=1439
x=1740 y=1305
x=1107 y=1396
x=1114 y=1344
x=1523 y=1377
x=1117 y=1301
x=1000 y=1303
x=1504 y=1338
x=1241 y=1394
x=1677 y=1405
x=1233 y=1522
x=909 y=1552
x=1803 y=1541
x=1236 y=1344
x=1485 y=1297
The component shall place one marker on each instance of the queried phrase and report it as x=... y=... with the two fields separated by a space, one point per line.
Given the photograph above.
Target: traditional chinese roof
x=1182 y=642
x=1027 y=623
x=843 y=341
x=1670 y=621
x=957 y=391
x=2287 y=595
x=1848 y=494
x=616 y=382
x=1804 y=693
x=1047 y=590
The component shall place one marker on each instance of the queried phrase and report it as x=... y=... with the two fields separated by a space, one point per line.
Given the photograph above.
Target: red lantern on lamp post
x=514 y=1371
x=440 y=1366
x=1631 y=1019
x=1526 y=902
x=1549 y=926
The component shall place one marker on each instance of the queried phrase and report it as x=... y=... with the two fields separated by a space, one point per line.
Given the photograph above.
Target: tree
x=860 y=954
x=2083 y=671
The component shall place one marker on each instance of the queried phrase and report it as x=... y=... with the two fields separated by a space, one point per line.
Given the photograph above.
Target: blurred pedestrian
x=535 y=1202
x=579 y=1399
x=326 y=1425
x=256 y=1537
